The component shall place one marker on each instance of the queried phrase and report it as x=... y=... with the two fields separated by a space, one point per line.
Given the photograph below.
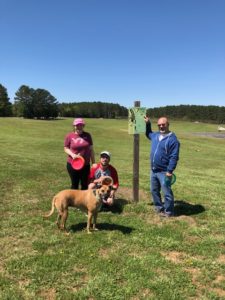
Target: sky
x=159 y=52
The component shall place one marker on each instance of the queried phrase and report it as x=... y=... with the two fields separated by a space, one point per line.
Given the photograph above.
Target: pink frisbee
x=77 y=163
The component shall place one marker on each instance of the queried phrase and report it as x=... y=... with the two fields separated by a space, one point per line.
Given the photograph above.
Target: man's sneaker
x=165 y=215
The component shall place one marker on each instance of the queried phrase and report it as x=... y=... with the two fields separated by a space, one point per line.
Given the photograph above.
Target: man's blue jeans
x=157 y=184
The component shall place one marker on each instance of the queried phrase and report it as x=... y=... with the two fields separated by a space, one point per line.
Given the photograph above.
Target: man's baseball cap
x=105 y=153
x=78 y=121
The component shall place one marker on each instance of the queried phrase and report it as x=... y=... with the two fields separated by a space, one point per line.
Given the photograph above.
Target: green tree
x=24 y=102
x=44 y=104
x=5 y=105
x=31 y=103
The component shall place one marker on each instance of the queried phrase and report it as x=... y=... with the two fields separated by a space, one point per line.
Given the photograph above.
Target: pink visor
x=78 y=121
x=78 y=163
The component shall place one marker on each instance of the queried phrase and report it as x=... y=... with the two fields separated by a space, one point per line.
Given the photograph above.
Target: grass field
x=135 y=254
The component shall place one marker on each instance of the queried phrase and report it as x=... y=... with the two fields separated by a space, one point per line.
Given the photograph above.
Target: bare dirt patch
x=174 y=256
x=219 y=279
x=219 y=292
x=221 y=259
x=48 y=294
x=195 y=273
x=143 y=294
x=104 y=253
x=127 y=194
x=191 y=221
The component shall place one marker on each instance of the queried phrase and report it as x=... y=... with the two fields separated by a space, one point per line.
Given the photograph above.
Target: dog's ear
x=112 y=187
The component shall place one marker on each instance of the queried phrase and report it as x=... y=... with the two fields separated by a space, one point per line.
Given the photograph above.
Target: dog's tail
x=52 y=210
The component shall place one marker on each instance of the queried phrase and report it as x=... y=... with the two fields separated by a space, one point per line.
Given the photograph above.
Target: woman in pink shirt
x=79 y=143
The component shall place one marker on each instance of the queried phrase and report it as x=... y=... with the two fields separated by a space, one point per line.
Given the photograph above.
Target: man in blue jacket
x=164 y=156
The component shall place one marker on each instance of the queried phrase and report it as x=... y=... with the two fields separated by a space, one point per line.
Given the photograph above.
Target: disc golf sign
x=136 y=123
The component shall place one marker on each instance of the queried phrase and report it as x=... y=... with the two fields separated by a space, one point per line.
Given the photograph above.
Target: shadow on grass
x=187 y=209
x=103 y=226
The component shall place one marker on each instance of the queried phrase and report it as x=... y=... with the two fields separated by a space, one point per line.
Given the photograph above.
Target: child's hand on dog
x=98 y=180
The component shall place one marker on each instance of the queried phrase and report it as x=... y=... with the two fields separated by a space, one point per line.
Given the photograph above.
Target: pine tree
x=5 y=105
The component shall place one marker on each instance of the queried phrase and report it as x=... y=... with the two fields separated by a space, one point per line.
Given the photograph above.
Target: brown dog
x=89 y=201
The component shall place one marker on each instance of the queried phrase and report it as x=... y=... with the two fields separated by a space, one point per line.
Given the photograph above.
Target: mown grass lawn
x=135 y=254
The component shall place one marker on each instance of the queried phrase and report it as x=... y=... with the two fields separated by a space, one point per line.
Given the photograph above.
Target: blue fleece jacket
x=164 y=152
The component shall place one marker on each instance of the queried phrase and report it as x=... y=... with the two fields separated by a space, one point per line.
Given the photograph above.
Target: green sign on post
x=136 y=123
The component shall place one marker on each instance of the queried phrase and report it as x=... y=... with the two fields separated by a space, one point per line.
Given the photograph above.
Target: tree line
x=94 y=109
x=210 y=113
x=40 y=104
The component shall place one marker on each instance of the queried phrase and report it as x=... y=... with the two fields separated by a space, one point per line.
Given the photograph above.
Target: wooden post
x=136 y=162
